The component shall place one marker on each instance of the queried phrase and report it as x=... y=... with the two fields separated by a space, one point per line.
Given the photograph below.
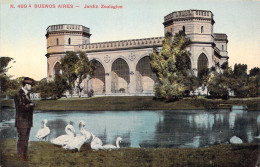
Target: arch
x=120 y=76
x=97 y=82
x=120 y=57
x=57 y=69
x=69 y=41
x=202 y=29
x=202 y=62
x=57 y=41
x=145 y=78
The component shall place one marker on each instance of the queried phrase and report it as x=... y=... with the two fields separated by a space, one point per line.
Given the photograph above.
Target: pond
x=176 y=128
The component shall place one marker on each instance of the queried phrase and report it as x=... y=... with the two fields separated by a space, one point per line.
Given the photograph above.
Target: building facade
x=123 y=66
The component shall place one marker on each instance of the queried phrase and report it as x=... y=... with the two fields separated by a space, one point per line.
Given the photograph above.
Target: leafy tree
x=4 y=61
x=191 y=84
x=170 y=84
x=52 y=89
x=59 y=86
x=13 y=86
x=203 y=76
x=224 y=65
x=43 y=87
x=240 y=70
x=254 y=82
x=83 y=68
x=218 y=87
x=75 y=68
x=5 y=80
x=254 y=72
x=240 y=80
x=254 y=86
x=68 y=64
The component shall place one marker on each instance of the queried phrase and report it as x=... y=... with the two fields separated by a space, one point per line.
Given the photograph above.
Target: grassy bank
x=140 y=103
x=43 y=154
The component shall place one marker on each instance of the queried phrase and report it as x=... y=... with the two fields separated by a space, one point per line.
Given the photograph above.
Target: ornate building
x=123 y=66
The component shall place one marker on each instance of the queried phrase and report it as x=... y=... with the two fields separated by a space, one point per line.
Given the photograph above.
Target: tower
x=62 y=38
x=198 y=26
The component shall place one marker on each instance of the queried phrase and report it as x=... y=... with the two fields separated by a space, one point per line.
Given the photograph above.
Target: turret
x=62 y=38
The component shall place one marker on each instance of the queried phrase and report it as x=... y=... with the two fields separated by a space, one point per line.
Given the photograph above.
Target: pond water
x=177 y=128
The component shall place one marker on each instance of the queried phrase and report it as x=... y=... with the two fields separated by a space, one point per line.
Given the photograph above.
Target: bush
x=218 y=88
x=90 y=93
x=122 y=90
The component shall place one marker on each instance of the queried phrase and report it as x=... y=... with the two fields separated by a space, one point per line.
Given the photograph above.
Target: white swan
x=43 y=132
x=235 y=140
x=257 y=137
x=110 y=146
x=80 y=139
x=96 y=143
x=84 y=132
x=64 y=139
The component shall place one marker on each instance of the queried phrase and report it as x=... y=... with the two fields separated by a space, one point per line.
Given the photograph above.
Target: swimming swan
x=110 y=146
x=80 y=139
x=64 y=139
x=96 y=143
x=43 y=132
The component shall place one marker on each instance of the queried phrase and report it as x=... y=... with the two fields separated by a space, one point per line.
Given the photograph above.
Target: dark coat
x=24 y=111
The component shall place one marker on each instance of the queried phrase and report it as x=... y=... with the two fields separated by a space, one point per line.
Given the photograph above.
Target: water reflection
x=182 y=128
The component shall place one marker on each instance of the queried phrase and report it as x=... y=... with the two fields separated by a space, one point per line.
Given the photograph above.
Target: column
x=108 y=82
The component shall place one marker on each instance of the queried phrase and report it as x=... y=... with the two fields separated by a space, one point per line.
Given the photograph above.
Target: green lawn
x=44 y=154
x=140 y=103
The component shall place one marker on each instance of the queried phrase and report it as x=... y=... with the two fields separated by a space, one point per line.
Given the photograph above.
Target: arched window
x=183 y=29
x=120 y=76
x=202 y=29
x=145 y=78
x=98 y=80
x=57 y=41
x=222 y=47
x=69 y=41
x=202 y=62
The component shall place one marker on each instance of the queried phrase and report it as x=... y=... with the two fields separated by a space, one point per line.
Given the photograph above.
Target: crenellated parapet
x=123 y=44
x=188 y=15
x=67 y=28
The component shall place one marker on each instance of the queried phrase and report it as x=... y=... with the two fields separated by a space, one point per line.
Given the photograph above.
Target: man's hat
x=27 y=80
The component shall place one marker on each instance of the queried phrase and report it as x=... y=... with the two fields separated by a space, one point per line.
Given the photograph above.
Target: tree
x=69 y=69
x=75 y=68
x=4 y=61
x=43 y=87
x=84 y=67
x=52 y=89
x=218 y=87
x=254 y=72
x=5 y=80
x=170 y=84
x=254 y=82
x=204 y=76
x=240 y=80
x=59 y=86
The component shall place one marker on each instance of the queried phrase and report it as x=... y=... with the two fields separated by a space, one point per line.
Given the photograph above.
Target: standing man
x=24 y=117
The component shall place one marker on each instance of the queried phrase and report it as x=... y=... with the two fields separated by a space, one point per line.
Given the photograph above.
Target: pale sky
x=22 y=31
